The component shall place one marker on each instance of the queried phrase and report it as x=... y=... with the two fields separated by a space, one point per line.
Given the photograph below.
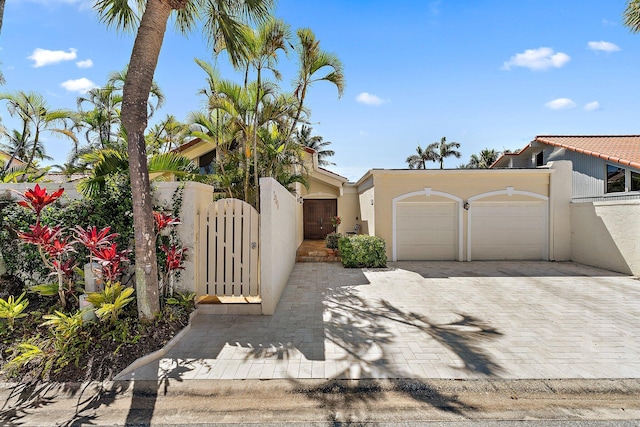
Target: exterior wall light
x=466 y=206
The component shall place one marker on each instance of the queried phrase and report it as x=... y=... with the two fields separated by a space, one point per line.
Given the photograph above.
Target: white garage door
x=509 y=230
x=426 y=231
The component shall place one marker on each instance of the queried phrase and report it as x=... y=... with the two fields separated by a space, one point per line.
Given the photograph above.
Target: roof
x=622 y=149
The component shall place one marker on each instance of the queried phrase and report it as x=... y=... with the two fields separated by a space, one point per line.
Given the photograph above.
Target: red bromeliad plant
x=38 y=198
x=174 y=262
x=164 y=220
x=111 y=260
x=174 y=256
x=54 y=248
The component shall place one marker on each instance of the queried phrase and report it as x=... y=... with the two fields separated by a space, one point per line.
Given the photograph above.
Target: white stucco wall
x=70 y=190
x=195 y=199
x=278 y=241
x=605 y=235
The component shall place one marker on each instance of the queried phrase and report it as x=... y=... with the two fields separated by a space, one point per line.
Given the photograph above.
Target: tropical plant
x=110 y=302
x=313 y=63
x=263 y=46
x=166 y=135
x=12 y=308
x=303 y=137
x=631 y=16
x=222 y=26
x=446 y=149
x=108 y=163
x=422 y=156
x=35 y=118
x=483 y=159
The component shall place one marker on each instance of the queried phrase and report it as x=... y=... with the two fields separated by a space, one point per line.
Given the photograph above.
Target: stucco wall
x=348 y=209
x=460 y=183
x=278 y=241
x=368 y=211
x=605 y=234
x=195 y=199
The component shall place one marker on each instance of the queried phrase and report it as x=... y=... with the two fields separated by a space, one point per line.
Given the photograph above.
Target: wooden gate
x=229 y=233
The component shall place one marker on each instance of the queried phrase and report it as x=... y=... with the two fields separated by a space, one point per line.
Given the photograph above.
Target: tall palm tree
x=314 y=62
x=263 y=45
x=304 y=138
x=101 y=120
x=166 y=135
x=222 y=22
x=422 y=156
x=446 y=149
x=36 y=117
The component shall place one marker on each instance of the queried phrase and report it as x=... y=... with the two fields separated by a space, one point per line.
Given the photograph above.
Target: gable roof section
x=622 y=149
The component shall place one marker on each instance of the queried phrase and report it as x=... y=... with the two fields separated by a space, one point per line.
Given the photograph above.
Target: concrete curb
x=156 y=354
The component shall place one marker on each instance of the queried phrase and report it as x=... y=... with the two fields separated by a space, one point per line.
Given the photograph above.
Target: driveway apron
x=423 y=320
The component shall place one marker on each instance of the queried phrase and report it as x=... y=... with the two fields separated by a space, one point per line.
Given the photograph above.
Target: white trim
x=509 y=191
x=427 y=192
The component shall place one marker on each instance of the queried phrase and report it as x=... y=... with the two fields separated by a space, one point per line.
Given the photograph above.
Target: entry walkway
x=423 y=320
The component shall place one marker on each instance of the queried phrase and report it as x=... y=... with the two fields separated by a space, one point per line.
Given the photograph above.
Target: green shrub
x=362 y=251
x=332 y=240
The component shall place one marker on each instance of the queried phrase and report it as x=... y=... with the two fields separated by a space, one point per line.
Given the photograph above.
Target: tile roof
x=622 y=149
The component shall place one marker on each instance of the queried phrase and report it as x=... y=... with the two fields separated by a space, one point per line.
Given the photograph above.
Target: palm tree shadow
x=362 y=329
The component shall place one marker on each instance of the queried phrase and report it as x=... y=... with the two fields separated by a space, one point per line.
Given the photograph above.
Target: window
x=540 y=159
x=206 y=163
x=635 y=181
x=615 y=179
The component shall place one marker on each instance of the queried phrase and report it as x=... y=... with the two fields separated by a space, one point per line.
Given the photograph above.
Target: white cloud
x=369 y=99
x=537 y=59
x=81 y=85
x=592 y=106
x=87 y=63
x=42 y=57
x=561 y=104
x=603 y=46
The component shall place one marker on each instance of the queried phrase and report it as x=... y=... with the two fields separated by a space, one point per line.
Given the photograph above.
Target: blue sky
x=484 y=73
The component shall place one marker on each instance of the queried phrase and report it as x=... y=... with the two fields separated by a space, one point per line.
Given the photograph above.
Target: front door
x=317 y=218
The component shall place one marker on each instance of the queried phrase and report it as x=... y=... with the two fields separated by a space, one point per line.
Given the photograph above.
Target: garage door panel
x=508 y=230
x=426 y=231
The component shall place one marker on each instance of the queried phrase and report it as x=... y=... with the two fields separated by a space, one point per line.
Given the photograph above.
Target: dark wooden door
x=317 y=218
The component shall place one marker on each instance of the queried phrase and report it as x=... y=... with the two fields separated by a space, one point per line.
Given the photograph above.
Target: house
x=605 y=167
x=5 y=157
x=561 y=198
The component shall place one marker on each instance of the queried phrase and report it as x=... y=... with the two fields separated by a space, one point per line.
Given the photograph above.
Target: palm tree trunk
x=137 y=86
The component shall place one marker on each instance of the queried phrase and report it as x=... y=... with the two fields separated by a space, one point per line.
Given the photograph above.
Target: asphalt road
x=331 y=403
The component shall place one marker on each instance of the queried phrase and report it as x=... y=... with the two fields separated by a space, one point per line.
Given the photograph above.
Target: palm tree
x=263 y=46
x=222 y=23
x=167 y=135
x=446 y=149
x=304 y=138
x=314 y=61
x=36 y=118
x=484 y=159
x=100 y=122
x=631 y=16
x=422 y=156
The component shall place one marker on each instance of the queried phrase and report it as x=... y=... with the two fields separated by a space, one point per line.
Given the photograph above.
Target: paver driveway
x=424 y=320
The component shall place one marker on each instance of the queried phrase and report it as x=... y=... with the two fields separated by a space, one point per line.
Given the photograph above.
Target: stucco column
x=560 y=194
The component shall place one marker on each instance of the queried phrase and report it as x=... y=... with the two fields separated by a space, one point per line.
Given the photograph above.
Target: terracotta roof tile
x=622 y=149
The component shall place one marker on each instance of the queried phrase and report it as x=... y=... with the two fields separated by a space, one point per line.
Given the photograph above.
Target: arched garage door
x=426 y=231
x=508 y=230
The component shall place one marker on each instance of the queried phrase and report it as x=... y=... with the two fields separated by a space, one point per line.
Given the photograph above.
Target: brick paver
x=516 y=320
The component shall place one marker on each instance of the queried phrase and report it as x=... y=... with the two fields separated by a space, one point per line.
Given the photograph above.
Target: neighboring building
x=5 y=157
x=605 y=167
